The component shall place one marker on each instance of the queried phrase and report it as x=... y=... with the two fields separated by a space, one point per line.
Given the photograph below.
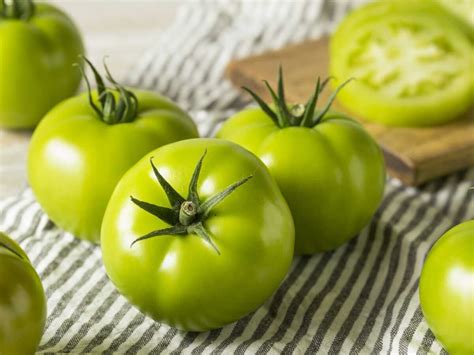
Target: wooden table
x=121 y=30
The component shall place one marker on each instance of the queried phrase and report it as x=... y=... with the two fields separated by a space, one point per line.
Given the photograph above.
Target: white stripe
x=118 y=329
x=88 y=311
x=107 y=319
x=375 y=249
x=421 y=252
x=79 y=292
x=379 y=281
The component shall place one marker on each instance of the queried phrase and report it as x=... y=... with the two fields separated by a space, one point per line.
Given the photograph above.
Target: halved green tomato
x=412 y=62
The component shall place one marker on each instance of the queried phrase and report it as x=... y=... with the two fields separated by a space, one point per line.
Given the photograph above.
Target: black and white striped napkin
x=361 y=298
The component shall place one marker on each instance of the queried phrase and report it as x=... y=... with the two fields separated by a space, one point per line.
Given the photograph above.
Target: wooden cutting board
x=413 y=155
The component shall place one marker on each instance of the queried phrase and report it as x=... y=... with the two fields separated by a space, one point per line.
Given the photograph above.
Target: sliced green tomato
x=412 y=67
x=463 y=9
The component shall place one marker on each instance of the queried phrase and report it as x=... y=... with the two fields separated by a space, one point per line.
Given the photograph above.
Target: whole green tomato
x=207 y=247
x=328 y=168
x=22 y=301
x=38 y=46
x=447 y=289
x=81 y=149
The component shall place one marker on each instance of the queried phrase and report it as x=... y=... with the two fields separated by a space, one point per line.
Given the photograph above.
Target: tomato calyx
x=17 y=9
x=112 y=108
x=186 y=216
x=3 y=245
x=303 y=115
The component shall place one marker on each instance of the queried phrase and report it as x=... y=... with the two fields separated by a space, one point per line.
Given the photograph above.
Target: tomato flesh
x=409 y=62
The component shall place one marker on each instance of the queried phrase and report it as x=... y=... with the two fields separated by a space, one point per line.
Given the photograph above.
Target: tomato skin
x=36 y=65
x=22 y=302
x=366 y=46
x=462 y=11
x=75 y=159
x=181 y=279
x=318 y=171
x=447 y=289
x=332 y=175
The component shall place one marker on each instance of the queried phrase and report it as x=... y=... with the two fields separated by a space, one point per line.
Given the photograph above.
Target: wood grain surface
x=414 y=155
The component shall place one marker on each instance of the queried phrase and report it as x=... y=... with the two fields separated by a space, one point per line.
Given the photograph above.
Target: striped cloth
x=361 y=298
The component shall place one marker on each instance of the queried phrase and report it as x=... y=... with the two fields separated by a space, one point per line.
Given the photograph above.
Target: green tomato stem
x=113 y=108
x=187 y=213
x=299 y=114
x=17 y=9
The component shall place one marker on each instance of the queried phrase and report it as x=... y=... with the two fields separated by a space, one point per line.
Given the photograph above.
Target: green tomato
x=410 y=60
x=200 y=270
x=78 y=155
x=37 y=52
x=328 y=168
x=447 y=289
x=463 y=9
x=22 y=301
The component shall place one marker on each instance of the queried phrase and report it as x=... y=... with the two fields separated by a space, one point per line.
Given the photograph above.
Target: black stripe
x=312 y=280
x=96 y=317
x=426 y=343
x=18 y=217
x=457 y=180
x=415 y=320
x=144 y=339
x=418 y=316
x=155 y=51
x=213 y=334
x=62 y=255
x=78 y=311
x=66 y=297
x=319 y=298
x=265 y=322
x=237 y=331
x=393 y=265
x=35 y=219
x=290 y=347
x=5 y=209
x=134 y=324
x=163 y=344
x=364 y=295
x=187 y=49
x=353 y=279
x=185 y=342
x=411 y=259
x=295 y=304
x=73 y=268
x=45 y=246
x=466 y=202
x=107 y=329
x=21 y=238
x=410 y=262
